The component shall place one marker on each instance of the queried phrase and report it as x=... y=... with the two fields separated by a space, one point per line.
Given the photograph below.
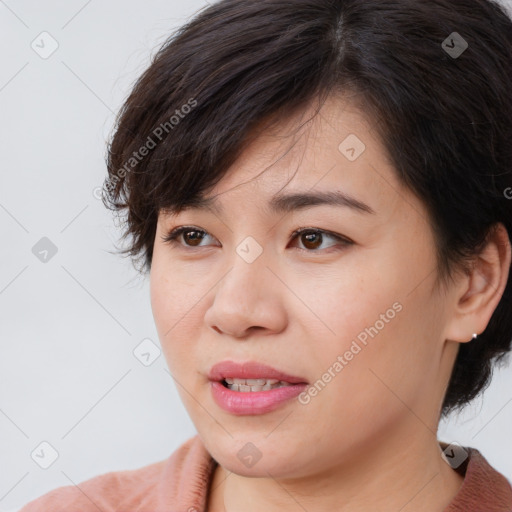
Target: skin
x=368 y=440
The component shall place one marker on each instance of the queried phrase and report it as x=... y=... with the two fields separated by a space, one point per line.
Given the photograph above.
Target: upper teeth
x=254 y=384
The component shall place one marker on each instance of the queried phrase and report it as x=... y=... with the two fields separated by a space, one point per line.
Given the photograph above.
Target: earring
x=475 y=335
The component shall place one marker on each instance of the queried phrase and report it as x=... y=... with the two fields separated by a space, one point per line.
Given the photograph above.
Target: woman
x=320 y=192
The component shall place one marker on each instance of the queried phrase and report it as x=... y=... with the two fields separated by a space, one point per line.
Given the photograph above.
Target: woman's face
x=355 y=317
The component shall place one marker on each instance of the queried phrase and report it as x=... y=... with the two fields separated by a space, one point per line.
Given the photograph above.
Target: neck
x=405 y=473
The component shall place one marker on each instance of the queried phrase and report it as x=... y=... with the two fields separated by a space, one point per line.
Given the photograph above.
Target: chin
x=254 y=456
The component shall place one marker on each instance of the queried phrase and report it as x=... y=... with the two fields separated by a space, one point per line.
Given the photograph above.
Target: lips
x=250 y=370
x=252 y=401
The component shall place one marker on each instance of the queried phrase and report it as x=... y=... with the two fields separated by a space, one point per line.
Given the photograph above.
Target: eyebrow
x=285 y=203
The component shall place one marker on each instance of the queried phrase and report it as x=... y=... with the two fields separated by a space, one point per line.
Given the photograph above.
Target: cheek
x=175 y=311
x=372 y=331
x=175 y=295
x=161 y=295
x=347 y=306
x=357 y=384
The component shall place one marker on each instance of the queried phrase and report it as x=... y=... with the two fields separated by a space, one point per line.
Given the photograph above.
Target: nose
x=247 y=300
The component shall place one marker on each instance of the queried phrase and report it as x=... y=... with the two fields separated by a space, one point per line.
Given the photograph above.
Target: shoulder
x=483 y=488
x=115 y=490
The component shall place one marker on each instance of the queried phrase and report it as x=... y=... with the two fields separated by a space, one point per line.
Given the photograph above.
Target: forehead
x=334 y=150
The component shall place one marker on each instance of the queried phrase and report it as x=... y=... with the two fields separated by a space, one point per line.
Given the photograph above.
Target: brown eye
x=312 y=239
x=191 y=237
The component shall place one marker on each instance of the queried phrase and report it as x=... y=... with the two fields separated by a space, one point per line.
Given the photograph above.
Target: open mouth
x=253 y=385
x=252 y=388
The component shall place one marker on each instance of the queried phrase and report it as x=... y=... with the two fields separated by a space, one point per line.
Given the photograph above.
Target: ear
x=477 y=293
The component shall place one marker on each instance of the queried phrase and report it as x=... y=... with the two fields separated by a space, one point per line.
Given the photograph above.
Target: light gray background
x=69 y=326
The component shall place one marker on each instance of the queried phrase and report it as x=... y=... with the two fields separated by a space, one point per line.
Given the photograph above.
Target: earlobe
x=478 y=293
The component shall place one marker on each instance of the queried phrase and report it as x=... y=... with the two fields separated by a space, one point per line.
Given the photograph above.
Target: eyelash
x=171 y=237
